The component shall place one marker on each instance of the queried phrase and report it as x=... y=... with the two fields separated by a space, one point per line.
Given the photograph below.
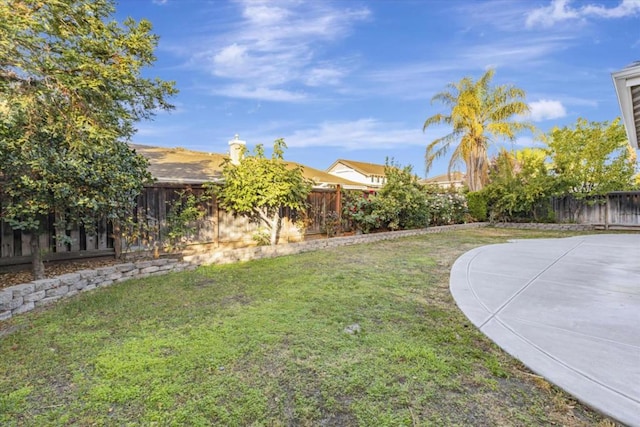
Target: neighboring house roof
x=323 y=178
x=445 y=179
x=367 y=169
x=182 y=166
x=627 y=84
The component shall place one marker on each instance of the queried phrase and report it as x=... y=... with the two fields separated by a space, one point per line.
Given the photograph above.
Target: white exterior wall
x=352 y=175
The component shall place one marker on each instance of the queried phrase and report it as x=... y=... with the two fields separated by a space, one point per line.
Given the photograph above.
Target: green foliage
x=477 y=203
x=71 y=90
x=446 y=206
x=478 y=114
x=401 y=203
x=262 y=237
x=259 y=187
x=520 y=187
x=68 y=69
x=184 y=212
x=360 y=210
x=591 y=158
x=48 y=175
x=331 y=223
x=138 y=231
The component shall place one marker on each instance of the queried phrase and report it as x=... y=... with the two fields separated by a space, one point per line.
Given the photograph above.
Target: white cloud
x=411 y=81
x=562 y=10
x=324 y=76
x=625 y=8
x=277 y=44
x=514 y=52
x=359 y=134
x=231 y=58
x=160 y=2
x=260 y=93
x=546 y=109
x=504 y=15
x=422 y=80
x=263 y=14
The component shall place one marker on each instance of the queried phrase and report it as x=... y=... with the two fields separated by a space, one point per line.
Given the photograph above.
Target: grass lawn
x=263 y=343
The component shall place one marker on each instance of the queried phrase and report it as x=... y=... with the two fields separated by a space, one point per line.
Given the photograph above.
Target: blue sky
x=354 y=79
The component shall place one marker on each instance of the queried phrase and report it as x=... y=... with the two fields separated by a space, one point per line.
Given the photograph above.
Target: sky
x=354 y=79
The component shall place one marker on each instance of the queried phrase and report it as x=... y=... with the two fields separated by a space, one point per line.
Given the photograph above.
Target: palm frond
x=478 y=112
x=435 y=119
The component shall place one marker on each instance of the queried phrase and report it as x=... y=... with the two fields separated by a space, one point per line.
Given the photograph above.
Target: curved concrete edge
x=592 y=392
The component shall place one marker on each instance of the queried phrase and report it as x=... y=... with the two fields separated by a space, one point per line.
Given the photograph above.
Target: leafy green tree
x=71 y=91
x=401 y=203
x=479 y=113
x=520 y=186
x=261 y=187
x=591 y=158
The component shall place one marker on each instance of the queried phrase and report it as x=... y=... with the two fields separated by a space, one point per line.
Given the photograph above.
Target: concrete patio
x=569 y=309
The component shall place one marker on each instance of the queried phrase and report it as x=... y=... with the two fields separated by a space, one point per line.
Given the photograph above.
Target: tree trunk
x=276 y=222
x=117 y=239
x=477 y=168
x=36 y=256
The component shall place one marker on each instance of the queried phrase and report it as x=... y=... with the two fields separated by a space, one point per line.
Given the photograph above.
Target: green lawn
x=263 y=343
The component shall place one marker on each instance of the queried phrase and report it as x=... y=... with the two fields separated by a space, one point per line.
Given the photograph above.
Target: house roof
x=627 y=84
x=179 y=165
x=445 y=178
x=367 y=169
x=322 y=177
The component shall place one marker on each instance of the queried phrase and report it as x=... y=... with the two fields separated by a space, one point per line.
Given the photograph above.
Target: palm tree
x=479 y=113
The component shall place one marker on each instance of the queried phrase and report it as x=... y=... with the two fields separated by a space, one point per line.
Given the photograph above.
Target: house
x=182 y=166
x=627 y=84
x=175 y=170
x=455 y=180
x=370 y=174
x=178 y=168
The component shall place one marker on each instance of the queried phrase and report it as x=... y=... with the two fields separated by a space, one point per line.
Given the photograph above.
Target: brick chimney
x=236 y=148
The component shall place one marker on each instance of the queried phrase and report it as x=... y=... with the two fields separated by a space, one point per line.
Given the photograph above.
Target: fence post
x=339 y=206
x=606 y=212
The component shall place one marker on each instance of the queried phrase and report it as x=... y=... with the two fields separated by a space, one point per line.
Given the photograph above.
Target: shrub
x=446 y=206
x=520 y=187
x=477 y=203
x=401 y=203
x=359 y=210
x=331 y=224
x=262 y=237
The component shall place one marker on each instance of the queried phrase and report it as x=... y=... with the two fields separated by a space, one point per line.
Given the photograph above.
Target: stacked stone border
x=27 y=296
x=22 y=298
x=545 y=226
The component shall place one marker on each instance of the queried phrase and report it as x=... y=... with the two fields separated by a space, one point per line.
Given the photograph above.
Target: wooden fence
x=616 y=209
x=218 y=228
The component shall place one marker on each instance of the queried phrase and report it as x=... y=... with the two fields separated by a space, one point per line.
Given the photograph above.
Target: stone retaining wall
x=541 y=226
x=25 y=297
x=258 y=252
x=22 y=298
